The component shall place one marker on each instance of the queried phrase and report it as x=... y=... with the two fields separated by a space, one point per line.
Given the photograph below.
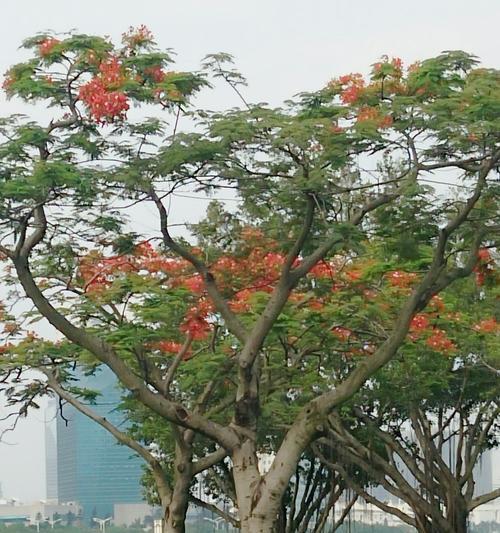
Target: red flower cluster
x=488 y=325
x=484 y=266
x=196 y=323
x=341 y=333
x=105 y=106
x=5 y=347
x=155 y=73
x=419 y=322
x=112 y=75
x=168 y=346
x=194 y=284
x=322 y=270
x=240 y=302
x=98 y=272
x=401 y=279
x=137 y=36
x=440 y=342
x=395 y=62
x=372 y=114
x=8 y=81
x=46 y=46
x=353 y=275
x=437 y=303
x=148 y=259
x=101 y=94
x=352 y=87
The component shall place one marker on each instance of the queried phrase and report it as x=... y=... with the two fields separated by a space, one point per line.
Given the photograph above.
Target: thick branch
x=484 y=498
x=105 y=353
x=214 y=509
x=204 y=463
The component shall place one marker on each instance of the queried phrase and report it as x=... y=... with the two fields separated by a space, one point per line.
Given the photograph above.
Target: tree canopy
x=358 y=208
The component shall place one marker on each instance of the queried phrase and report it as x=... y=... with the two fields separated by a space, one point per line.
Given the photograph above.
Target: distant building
x=130 y=514
x=51 y=452
x=12 y=512
x=86 y=461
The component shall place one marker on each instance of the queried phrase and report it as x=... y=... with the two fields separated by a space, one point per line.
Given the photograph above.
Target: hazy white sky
x=281 y=46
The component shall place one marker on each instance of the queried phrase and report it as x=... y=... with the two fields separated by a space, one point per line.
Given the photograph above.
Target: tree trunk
x=456 y=515
x=175 y=512
x=256 y=516
x=259 y=524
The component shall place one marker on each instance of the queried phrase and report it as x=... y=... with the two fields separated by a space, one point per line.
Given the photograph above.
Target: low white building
x=126 y=514
x=15 y=511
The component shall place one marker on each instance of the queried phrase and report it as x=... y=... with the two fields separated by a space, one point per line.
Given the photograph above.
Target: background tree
x=421 y=426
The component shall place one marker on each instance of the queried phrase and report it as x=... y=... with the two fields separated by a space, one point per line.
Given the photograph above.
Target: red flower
x=273 y=261
x=197 y=327
x=419 y=322
x=385 y=122
x=341 y=333
x=112 y=75
x=353 y=85
x=104 y=106
x=155 y=73
x=168 y=346
x=353 y=275
x=240 y=304
x=437 y=303
x=397 y=63
x=321 y=270
x=402 y=279
x=440 y=342
x=484 y=255
x=488 y=325
x=195 y=284
x=46 y=46
x=8 y=82
x=373 y=114
x=137 y=36
x=367 y=113
x=316 y=305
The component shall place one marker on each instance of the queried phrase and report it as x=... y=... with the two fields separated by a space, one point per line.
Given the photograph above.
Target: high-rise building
x=91 y=468
x=51 y=451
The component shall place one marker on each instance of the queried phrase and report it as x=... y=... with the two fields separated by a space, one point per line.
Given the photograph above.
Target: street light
x=37 y=523
x=102 y=523
x=54 y=522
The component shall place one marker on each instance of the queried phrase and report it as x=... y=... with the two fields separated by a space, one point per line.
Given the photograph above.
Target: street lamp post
x=36 y=523
x=53 y=522
x=102 y=523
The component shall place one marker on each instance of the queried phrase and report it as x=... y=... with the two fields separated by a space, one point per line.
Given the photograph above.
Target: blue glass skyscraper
x=92 y=468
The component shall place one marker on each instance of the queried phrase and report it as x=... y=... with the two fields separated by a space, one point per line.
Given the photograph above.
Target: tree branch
x=232 y=321
x=104 y=352
x=214 y=509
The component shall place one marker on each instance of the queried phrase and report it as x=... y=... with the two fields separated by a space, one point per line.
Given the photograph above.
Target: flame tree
x=320 y=183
